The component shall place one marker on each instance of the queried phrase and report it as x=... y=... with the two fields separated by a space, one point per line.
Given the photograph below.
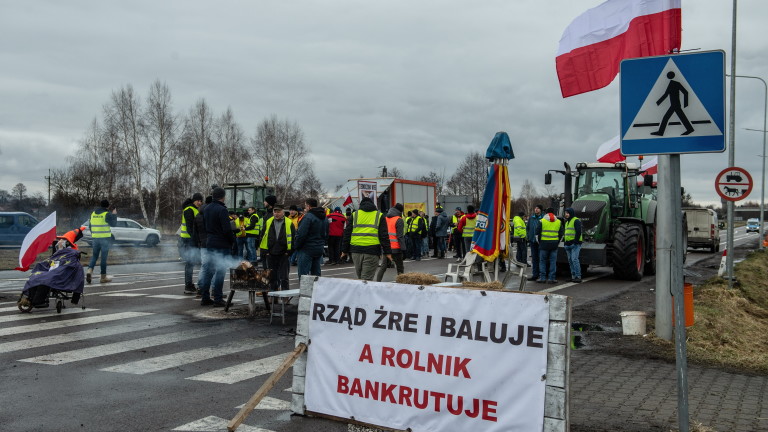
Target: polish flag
x=595 y=43
x=37 y=241
x=651 y=166
x=347 y=200
x=610 y=151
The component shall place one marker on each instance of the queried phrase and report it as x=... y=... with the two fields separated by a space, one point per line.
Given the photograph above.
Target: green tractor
x=240 y=196
x=618 y=217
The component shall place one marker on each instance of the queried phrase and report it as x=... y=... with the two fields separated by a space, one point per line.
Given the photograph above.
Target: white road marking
x=121 y=347
x=566 y=285
x=270 y=403
x=124 y=295
x=9 y=331
x=217 y=424
x=26 y=316
x=87 y=334
x=242 y=371
x=180 y=284
x=171 y=296
x=169 y=361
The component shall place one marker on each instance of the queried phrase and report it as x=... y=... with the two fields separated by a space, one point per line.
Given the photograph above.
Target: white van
x=703 y=229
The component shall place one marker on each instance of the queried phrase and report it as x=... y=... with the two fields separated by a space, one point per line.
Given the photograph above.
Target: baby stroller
x=60 y=277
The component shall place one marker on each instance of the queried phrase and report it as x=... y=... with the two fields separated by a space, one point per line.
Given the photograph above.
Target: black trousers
x=280 y=266
x=334 y=249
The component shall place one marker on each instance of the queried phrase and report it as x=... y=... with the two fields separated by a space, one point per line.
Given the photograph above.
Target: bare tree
x=470 y=177
x=195 y=158
x=19 y=193
x=527 y=195
x=438 y=179
x=124 y=111
x=394 y=172
x=160 y=131
x=230 y=155
x=280 y=153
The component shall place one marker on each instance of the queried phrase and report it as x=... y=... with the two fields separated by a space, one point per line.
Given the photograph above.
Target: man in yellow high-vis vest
x=572 y=240
x=518 y=237
x=365 y=238
x=550 y=231
x=277 y=245
x=101 y=222
x=190 y=251
x=252 y=233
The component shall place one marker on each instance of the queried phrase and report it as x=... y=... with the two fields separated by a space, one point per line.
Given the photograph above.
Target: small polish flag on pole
x=347 y=199
x=594 y=44
x=37 y=241
x=610 y=151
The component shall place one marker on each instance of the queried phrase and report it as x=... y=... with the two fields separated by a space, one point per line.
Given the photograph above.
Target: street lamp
x=762 y=181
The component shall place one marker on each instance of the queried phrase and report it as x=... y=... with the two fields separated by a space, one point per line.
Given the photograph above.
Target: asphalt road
x=143 y=356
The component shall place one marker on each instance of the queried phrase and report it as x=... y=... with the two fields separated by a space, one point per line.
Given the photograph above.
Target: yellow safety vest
x=469 y=227
x=550 y=230
x=239 y=225
x=413 y=224
x=365 y=228
x=184 y=230
x=268 y=225
x=519 y=226
x=570 y=230
x=99 y=226
x=256 y=225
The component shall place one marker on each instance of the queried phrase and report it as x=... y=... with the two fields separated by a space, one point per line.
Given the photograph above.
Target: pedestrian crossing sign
x=673 y=104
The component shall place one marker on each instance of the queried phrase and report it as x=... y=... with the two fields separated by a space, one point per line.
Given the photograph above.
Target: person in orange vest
x=396 y=232
x=765 y=241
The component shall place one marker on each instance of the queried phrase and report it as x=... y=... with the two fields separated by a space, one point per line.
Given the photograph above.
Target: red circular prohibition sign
x=733 y=184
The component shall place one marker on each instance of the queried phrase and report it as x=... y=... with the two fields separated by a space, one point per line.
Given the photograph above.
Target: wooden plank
x=558 y=310
x=556 y=370
x=554 y=425
x=558 y=332
x=352 y=420
x=265 y=388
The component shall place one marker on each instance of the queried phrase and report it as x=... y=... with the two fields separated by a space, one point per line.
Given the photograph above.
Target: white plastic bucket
x=633 y=323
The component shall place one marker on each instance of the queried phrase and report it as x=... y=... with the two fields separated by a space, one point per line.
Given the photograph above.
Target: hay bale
x=495 y=285
x=417 y=279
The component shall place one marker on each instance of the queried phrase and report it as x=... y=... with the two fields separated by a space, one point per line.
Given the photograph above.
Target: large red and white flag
x=347 y=200
x=37 y=241
x=595 y=43
x=651 y=166
x=610 y=151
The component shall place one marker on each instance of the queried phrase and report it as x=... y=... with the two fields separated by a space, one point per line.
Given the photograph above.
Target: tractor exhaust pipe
x=568 y=200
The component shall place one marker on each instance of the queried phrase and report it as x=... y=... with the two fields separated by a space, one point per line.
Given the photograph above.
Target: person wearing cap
x=456 y=240
x=200 y=239
x=101 y=222
x=190 y=251
x=269 y=202
x=396 y=233
x=336 y=221
x=277 y=245
x=365 y=238
x=531 y=234
x=572 y=240
x=442 y=228
x=219 y=241
x=311 y=236
x=549 y=231
x=466 y=228
x=518 y=237
x=252 y=233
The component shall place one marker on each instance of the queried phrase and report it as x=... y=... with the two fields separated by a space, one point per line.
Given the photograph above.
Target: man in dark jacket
x=101 y=222
x=572 y=239
x=277 y=245
x=442 y=225
x=549 y=232
x=336 y=222
x=365 y=237
x=269 y=202
x=200 y=238
x=310 y=239
x=532 y=237
x=219 y=241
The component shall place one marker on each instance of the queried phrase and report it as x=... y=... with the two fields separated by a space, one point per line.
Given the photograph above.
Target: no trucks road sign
x=733 y=184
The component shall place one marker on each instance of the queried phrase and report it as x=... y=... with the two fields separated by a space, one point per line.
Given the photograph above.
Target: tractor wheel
x=650 y=264
x=628 y=252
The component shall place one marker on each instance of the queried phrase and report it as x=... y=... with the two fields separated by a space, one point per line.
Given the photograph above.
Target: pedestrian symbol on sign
x=672 y=109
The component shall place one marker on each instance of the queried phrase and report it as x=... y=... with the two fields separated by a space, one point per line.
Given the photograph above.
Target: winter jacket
x=218 y=227
x=532 y=227
x=199 y=235
x=576 y=227
x=336 y=222
x=312 y=233
x=463 y=221
x=442 y=224
x=550 y=244
x=399 y=228
x=383 y=245
x=278 y=244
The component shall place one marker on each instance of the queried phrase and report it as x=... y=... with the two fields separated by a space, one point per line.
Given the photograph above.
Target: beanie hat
x=399 y=207
x=439 y=210
x=570 y=211
x=366 y=199
x=197 y=196
x=293 y=207
x=337 y=209
x=104 y=203
x=271 y=200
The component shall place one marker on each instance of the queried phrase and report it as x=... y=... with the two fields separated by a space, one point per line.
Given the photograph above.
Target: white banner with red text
x=427 y=358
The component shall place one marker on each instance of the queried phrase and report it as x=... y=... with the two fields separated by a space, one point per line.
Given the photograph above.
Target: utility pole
x=48 y=180
x=731 y=148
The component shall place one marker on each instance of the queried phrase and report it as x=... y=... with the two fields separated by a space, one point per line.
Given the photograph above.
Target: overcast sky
x=409 y=84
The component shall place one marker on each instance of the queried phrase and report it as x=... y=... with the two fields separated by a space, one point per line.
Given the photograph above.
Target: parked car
x=753 y=225
x=14 y=226
x=703 y=228
x=127 y=231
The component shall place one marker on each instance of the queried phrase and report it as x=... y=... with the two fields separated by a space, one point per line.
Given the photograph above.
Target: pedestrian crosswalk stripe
x=242 y=371
x=87 y=334
x=270 y=403
x=121 y=347
x=134 y=281
x=213 y=423
x=8 y=331
x=155 y=364
x=8 y=309
x=171 y=296
x=21 y=317
x=138 y=289
x=124 y=295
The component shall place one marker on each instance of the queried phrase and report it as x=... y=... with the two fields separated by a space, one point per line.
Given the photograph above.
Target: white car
x=128 y=231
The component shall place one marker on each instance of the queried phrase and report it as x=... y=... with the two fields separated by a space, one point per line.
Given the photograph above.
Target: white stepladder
x=471 y=267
